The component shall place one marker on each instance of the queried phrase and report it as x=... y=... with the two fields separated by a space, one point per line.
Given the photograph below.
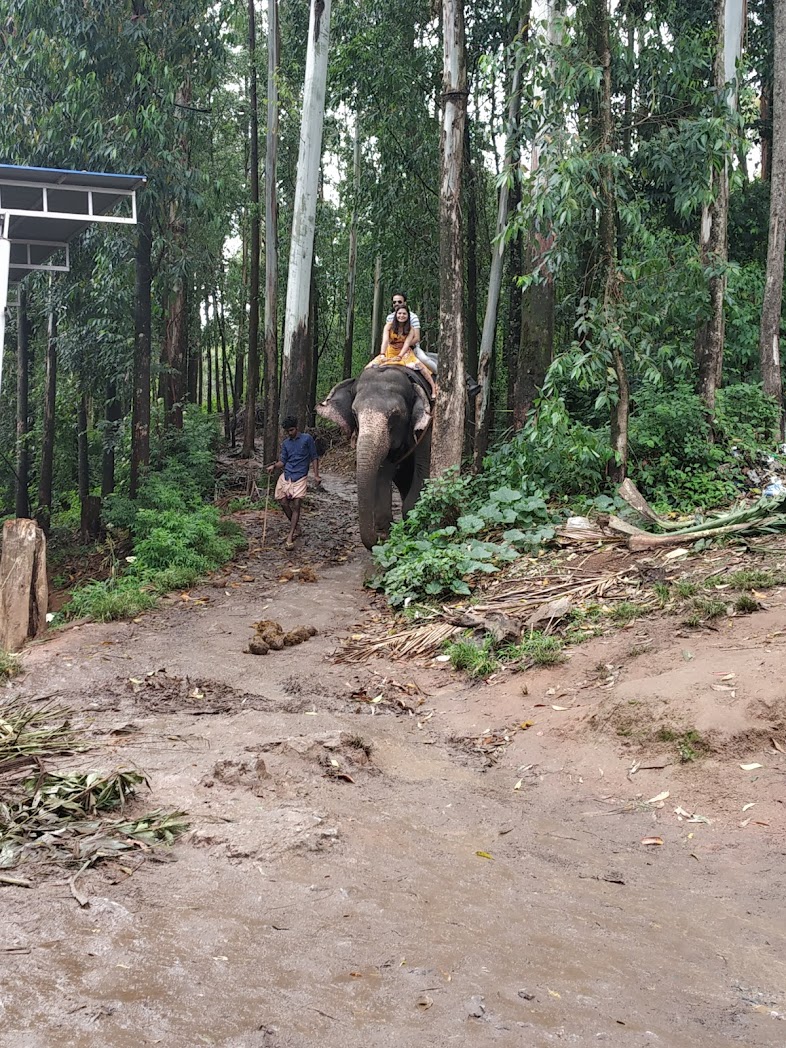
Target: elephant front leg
x=383 y=503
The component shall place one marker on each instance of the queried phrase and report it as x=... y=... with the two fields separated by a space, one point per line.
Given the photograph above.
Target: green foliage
x=120 y=597
x=439 y=548
x=481 y=658
x=673 y=461
x=177 y=538
x=477 y=660
x=554 y=453
x=752 y=578
x=535 y=649
x=746 y=605
x=624 y=612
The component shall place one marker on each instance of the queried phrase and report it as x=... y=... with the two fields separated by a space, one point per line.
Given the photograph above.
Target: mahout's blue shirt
x=297 y=454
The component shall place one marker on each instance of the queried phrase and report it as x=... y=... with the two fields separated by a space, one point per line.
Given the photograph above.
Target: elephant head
x=391 y=415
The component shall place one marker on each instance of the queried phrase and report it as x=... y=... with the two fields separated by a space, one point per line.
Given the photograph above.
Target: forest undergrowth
x=173 y=534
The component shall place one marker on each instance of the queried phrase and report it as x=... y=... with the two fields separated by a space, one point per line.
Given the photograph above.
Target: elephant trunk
x=373 y=446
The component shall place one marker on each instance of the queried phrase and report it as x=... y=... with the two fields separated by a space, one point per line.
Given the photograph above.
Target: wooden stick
x=267 y=508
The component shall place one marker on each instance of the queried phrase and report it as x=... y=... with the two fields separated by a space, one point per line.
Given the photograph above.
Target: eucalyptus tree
x=770 y=331
x=271 y=235
x=296 y=363
x=729 y=31
x=495 y=277
x=449 y=412
x=254 y=243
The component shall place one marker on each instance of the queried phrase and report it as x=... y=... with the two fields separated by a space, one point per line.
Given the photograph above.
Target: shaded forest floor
x=420 y=869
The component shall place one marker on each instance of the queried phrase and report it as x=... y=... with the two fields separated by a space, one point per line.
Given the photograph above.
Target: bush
x=121 y=597
x=673 y=461
x=176 y=537
x=447 y=538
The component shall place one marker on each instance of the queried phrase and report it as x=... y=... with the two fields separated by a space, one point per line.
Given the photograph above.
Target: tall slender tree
x=449 y=413
x=271 y=237
x=770 y=330
x=252 y=383
x=495 y=277
x=349 y=326
x=296 y=367
x=22 y=406
x=710 y=337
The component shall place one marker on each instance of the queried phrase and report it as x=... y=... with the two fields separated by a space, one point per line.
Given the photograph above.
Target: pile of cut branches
x=68 y=818
x=765 y=516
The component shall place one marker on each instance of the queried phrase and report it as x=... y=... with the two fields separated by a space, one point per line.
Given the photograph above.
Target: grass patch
x=624 y=612
x=685 y=589
x=709 y=609
x=689 y=743
x=705 y=609
x=662 y=592
x=753 y=578
x=476 y=660
x=745 y=605
x=10 y=665
x=122 y=597
x=536 y=649
x=479 y=659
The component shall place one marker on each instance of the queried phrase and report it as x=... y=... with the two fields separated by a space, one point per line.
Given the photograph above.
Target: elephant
x=390 y=412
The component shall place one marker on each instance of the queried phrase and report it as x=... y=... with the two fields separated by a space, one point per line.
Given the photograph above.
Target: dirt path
x=425 y=894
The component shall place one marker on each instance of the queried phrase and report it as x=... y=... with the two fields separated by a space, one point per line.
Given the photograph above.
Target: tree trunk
x=240 y=351
x=376 y=309
x=140 y=414
x=175 y=345
x=217 y=356
x=207 y=341
x=766 y=122
x=48 y=434
x=252 y=379
x=449 y=409
x=271 y=419
x=112 y=417
x=537 y=338
x=83 y=461
x=225 y=382
x=709 y=343
x=349 y=327
x=472 y=256
x=488 y=337
x=604 y=129
x=24 y=591
x=22 y=500
x=295 y=370
x=313 y=355
x=769 y=334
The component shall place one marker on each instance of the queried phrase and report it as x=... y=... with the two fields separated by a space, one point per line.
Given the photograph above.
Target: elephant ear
x=337 y=406
x=421 y=411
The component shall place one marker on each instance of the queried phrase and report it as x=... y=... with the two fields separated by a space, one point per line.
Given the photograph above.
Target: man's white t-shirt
x=414 y=320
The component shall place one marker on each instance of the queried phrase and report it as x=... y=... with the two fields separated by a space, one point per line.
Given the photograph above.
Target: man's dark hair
x=290 y=422
x=402 y=293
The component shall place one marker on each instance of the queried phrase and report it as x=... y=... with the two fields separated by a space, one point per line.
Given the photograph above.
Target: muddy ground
x=363 y=873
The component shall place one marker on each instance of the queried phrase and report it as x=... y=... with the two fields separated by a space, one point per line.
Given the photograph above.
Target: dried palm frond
x=413 y=642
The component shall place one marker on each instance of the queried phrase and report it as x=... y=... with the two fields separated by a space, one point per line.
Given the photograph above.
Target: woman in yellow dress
x=396 y=348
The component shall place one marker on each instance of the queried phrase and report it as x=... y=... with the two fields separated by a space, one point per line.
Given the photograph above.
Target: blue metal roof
x=61 y=176
x=47 y=207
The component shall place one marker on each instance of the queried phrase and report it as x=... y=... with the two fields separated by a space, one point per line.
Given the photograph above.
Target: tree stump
x=24 y=591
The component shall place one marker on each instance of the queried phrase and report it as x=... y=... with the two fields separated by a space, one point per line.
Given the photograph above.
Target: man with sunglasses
x=413 y=339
